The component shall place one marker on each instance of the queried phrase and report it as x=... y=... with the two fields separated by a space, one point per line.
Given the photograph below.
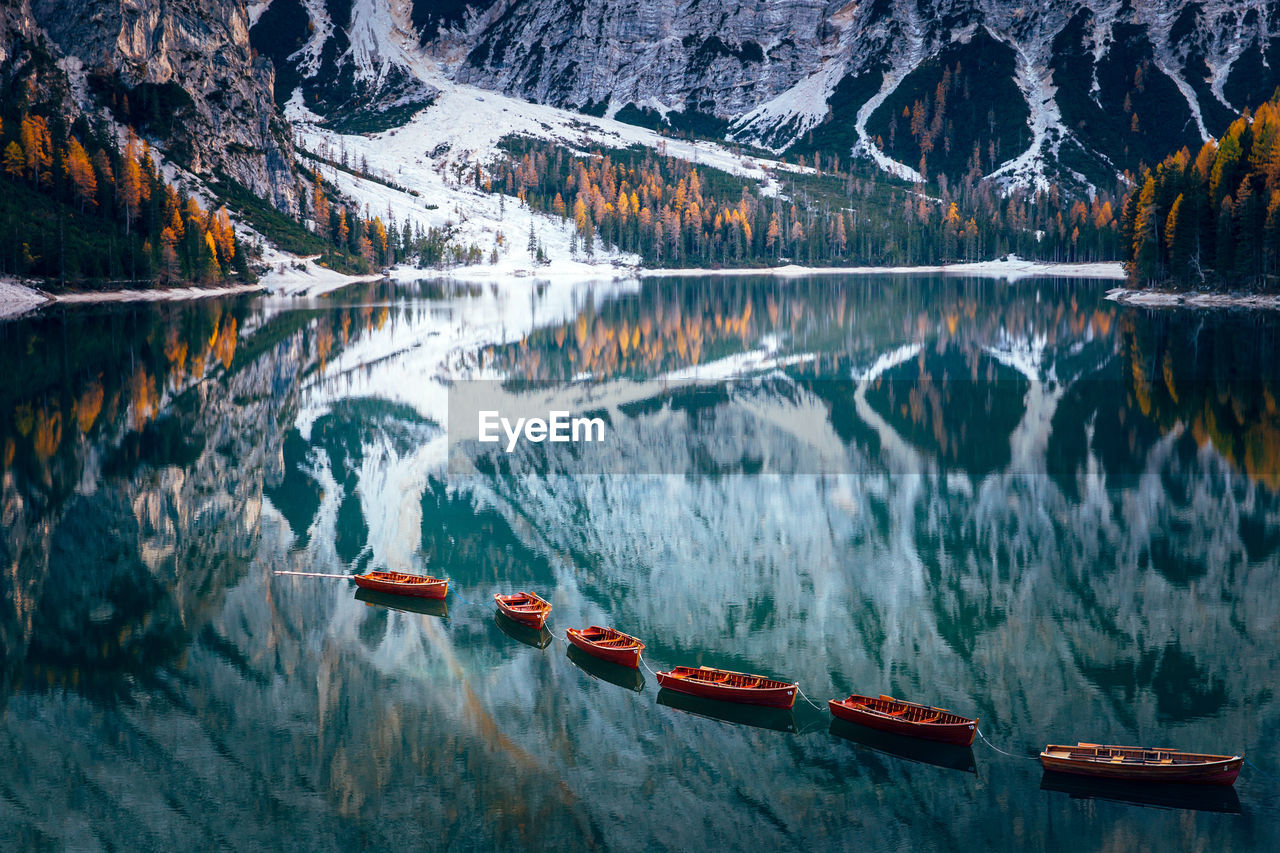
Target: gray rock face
x=188 y=68
x=722 y=58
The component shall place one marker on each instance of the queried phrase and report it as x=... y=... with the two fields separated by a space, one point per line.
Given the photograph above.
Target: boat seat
x=932 y=718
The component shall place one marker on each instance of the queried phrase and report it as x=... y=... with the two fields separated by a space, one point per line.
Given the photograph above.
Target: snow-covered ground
x=18 y=299
x=1193 y=299
x=294 y=276
x=431 y=158
x=159 y=294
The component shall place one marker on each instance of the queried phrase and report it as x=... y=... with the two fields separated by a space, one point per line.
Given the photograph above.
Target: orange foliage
x=48 y=434
x=88 y=406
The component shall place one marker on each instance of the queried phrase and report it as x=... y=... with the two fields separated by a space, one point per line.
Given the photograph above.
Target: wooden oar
x=316 y=575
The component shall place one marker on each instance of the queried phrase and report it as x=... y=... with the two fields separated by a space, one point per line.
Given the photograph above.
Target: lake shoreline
x=1011 y=268
x=1139 y=298
x=19 y=296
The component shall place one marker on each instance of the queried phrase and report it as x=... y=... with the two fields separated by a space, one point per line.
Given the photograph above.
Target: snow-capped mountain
x=1073 y=92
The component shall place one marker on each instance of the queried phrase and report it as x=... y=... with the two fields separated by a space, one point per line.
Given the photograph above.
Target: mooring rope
x=646 y=666
x=462 y=597
x=1001 y=751
x=1260 y=770
x=807 y=699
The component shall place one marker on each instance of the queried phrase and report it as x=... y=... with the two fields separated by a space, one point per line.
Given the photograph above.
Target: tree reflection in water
x=1062 y=516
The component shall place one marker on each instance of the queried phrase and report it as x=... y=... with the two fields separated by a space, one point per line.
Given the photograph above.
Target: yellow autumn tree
x=320 y=209
x=223 y=234
x=15 y=160
x=83 y=181
x=131 y=180
x=38 y=146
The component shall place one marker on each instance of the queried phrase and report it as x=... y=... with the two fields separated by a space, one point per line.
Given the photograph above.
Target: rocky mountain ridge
x=1071 y=92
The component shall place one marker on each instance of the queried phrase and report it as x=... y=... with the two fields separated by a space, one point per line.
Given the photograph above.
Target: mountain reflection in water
x=1058 y=514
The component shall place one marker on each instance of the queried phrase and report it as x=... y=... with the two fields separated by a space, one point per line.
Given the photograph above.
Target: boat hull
x=1211 y=770
x=732 y=713
x=628 y=656
x=434 y=588
x=537 y=638
x=770 y=697
x=950 y=756
x=405 y=603
x=960 y=734
x=630 y=679
x=1171 y=795
x=520 y=612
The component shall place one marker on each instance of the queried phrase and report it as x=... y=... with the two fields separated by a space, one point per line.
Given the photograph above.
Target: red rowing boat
x=1136 y=764
x=527 y=608
x=399 y=583
x=729 y=686
x=905 y=718
x=608 y=644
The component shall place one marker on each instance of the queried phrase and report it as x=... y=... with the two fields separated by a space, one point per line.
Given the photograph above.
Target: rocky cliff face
x=1067 y=91
x=183 y=72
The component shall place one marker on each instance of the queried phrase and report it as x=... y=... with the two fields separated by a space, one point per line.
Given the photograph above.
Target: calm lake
x=1021 y=502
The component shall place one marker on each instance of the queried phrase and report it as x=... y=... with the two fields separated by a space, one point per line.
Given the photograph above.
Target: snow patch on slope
x=255 y=10
x=912 y=56
x=801 y=108
x=462 y=129
x=475 y=217
x=1035 y=81
x=310 y=55
x=381 y=40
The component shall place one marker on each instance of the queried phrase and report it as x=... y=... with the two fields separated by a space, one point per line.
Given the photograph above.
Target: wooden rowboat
x=607 y=644
x=905 y=718
x=400 y=583
x=727 y=686
x=1138 y=764
x=527 y=608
